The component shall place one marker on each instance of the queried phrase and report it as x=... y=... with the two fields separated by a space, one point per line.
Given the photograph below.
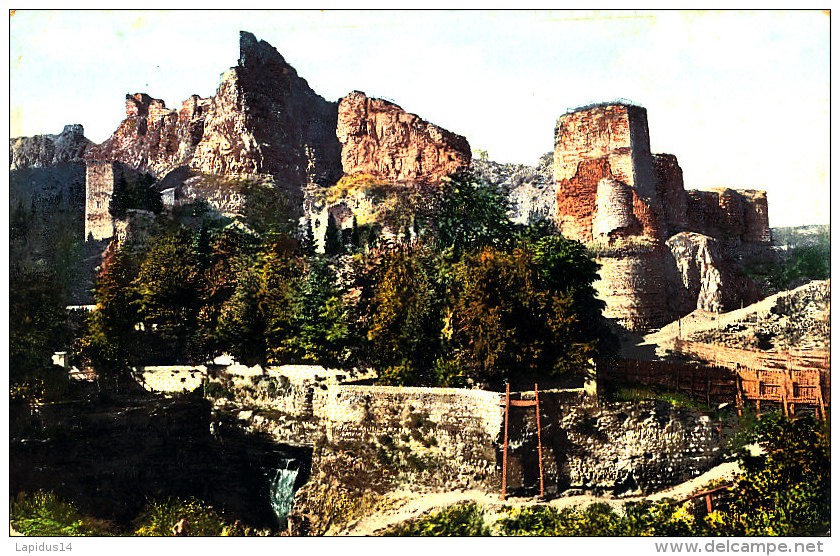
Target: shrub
x=44 y=514
x=637 y=519
x=158 y=518
x=460 y=520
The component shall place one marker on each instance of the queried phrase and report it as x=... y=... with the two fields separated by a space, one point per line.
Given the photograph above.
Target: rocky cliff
x=42 y=151
x=153 y=138
x=382 y=140
x=265 y=119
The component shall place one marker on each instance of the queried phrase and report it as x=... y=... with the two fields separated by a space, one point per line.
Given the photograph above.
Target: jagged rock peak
x=253 y=52
x=41 y=151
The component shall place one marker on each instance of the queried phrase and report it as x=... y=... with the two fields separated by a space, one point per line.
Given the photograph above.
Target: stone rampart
x=600 y=146
x=453 y=437
x=635 y=288
x=734 y=216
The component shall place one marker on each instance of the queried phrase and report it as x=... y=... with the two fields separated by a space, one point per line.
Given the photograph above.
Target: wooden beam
x=505 y=449
x=523 y=403
x=539 y=437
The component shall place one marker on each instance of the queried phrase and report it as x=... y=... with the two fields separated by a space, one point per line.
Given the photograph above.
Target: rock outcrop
x=42 y=151
x=529 y=189
x=709 y=276
x=382 y=140
x=265 y=119
x=153 y=138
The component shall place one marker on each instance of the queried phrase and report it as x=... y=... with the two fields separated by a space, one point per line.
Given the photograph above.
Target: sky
x=741 y=98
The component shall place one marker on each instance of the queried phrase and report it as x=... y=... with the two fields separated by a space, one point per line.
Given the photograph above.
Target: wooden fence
x=710 y=383
x=729 y=383
x=733 y=358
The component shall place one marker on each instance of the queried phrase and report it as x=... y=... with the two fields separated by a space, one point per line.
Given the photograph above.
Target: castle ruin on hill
x=663 y=251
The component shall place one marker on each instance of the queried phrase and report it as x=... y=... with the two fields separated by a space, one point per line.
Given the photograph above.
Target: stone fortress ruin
x=663 y=251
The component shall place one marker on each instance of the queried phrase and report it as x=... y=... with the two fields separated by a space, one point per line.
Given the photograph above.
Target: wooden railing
x=785 y=379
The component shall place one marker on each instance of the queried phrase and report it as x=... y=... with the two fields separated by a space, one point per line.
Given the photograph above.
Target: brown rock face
x=382 y=140
x=265 y=119
x=709 y=279
x=603 y=146
x=153 y=138
x=42 y=151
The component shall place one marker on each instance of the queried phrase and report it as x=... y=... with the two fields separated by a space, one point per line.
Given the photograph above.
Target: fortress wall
x=635 y=289
x=453 y=437
x=732 y=215
x=671 y=192
x=604 y=142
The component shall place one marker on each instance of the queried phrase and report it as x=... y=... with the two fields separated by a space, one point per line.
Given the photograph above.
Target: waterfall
x=282 y=489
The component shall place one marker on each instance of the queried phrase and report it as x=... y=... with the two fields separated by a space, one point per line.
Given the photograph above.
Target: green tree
x=320 y=331
x=405 y=316
x=110 y=342
x=37 y=324
x=169 y=284
x=506 y=322
x=135 y=192
x=471 y=215
x=786 y=490
x=332 y=239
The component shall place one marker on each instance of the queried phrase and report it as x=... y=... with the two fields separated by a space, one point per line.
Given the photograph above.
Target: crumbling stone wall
x=671 y=192
x=635 y=288
x=455 y=436
x=605 y=142
x=734 y=216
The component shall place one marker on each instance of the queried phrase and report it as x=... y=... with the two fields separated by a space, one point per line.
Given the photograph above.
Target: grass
x=629 y=392
x=459 y=520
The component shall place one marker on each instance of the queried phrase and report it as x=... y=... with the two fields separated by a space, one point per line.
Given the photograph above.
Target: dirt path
x=404 y=505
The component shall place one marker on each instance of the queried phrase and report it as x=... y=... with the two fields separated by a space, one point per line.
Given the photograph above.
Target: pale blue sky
x=742 y=99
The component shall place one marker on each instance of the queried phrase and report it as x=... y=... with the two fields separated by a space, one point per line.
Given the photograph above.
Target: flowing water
x=281 y=489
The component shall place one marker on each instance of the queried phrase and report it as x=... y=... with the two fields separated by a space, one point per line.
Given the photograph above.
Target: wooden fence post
x=539 y=437
x=505 y=450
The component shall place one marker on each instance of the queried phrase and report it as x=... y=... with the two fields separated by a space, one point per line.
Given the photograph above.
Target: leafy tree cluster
x=472 y=296
x=45 y=249
x=786 y=490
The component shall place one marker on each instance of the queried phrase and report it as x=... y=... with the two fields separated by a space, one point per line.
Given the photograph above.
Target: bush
x=637 y=519
x=43 y=514
x=785 y=491
x=460 y=520
x=158 y=518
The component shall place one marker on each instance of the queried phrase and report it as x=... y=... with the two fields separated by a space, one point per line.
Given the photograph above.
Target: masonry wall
x=635 y=289
x=599 y=145
x=734 y=216
x=455 y=436
x=99 y=187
